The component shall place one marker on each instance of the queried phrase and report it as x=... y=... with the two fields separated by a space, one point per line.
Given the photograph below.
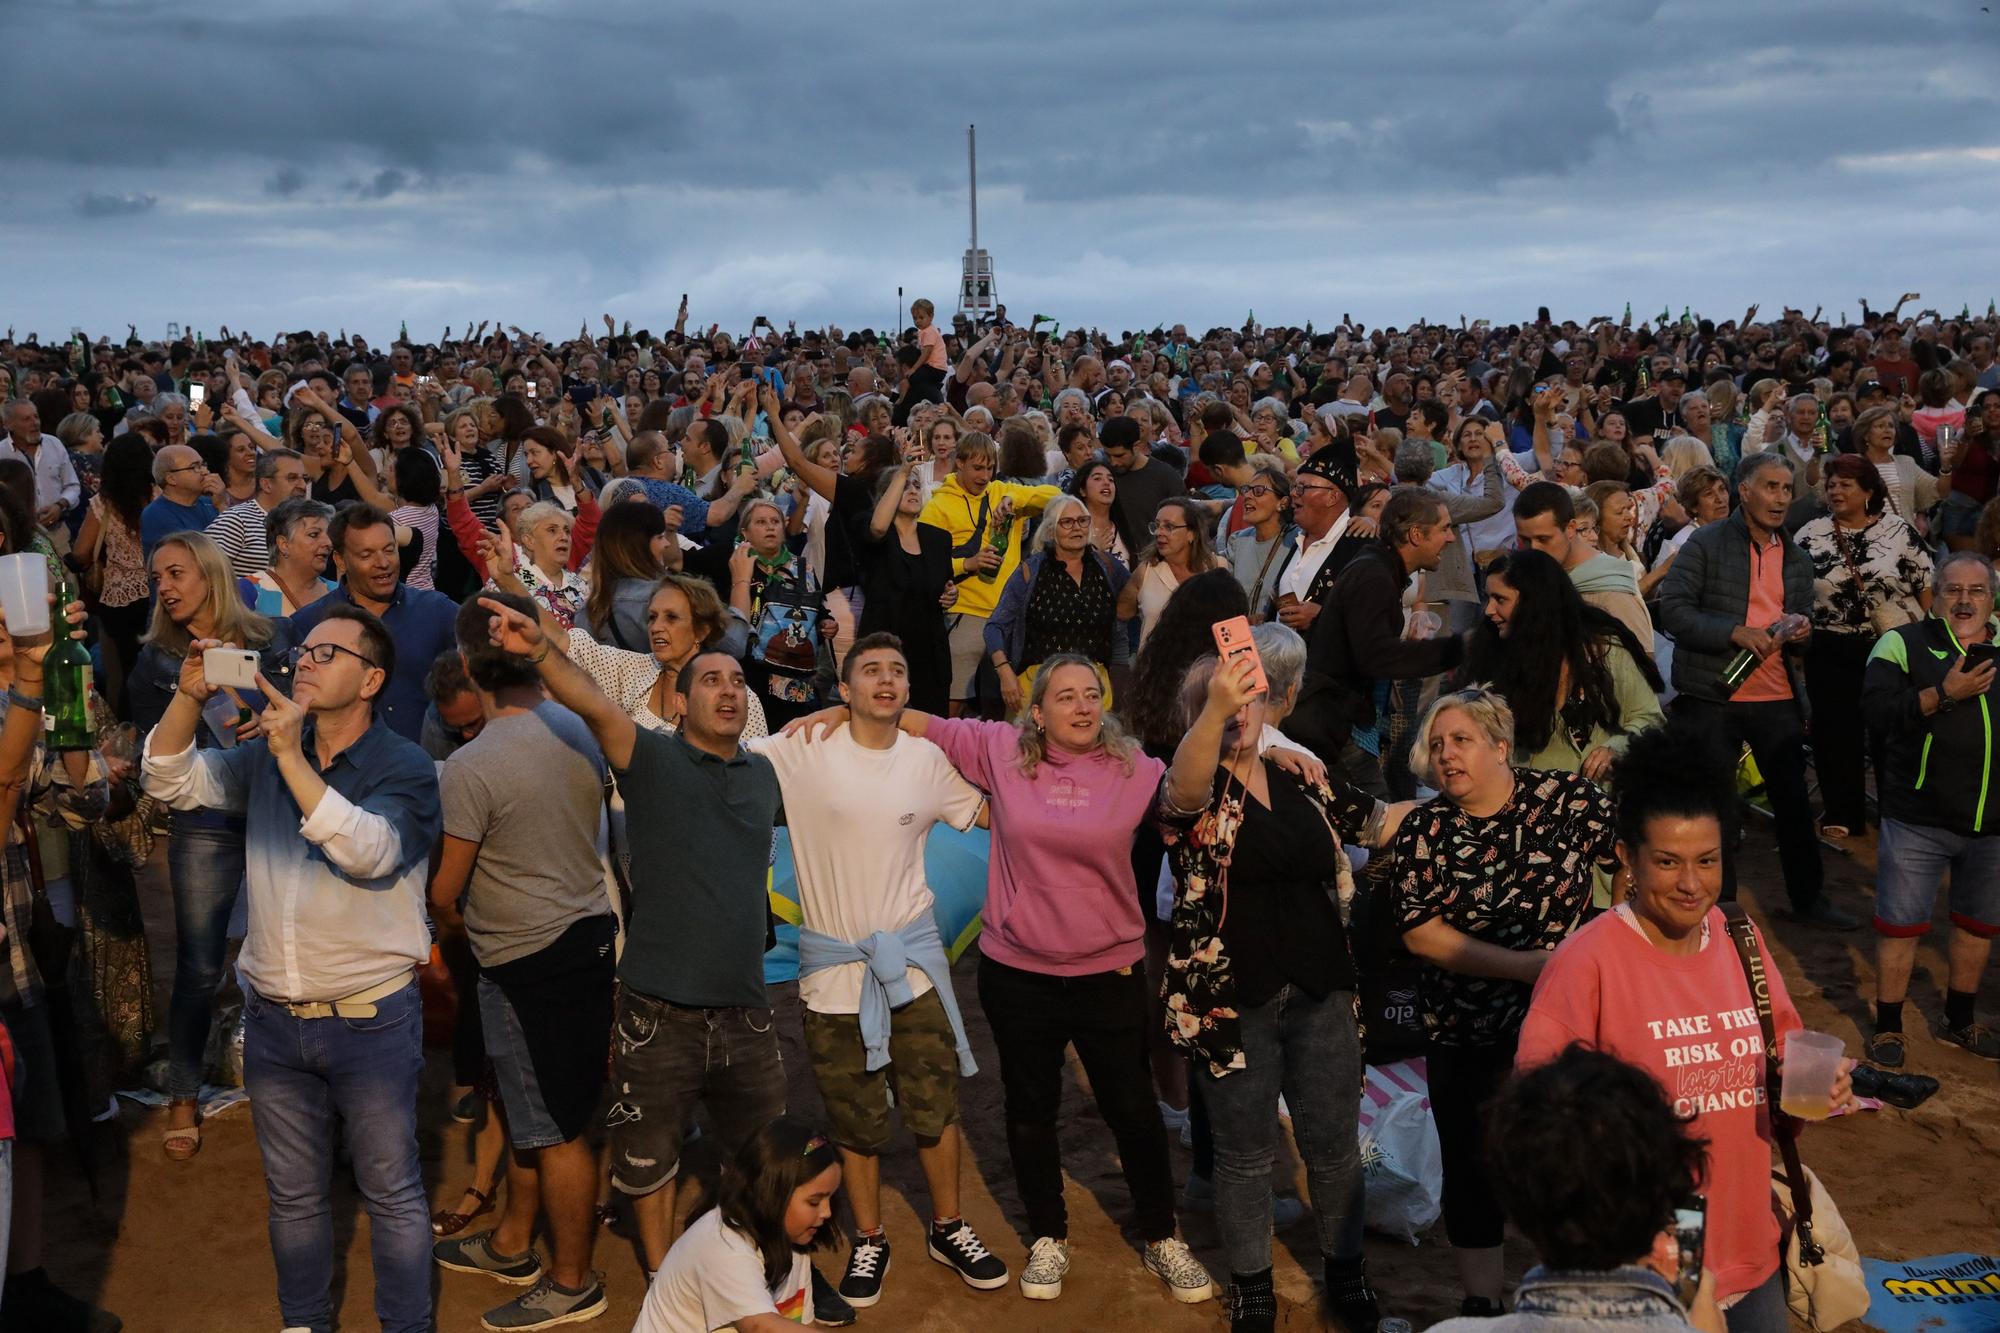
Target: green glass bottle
x=66 y=680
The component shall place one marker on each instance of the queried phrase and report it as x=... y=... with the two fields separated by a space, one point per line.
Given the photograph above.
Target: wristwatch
x=1945 y=702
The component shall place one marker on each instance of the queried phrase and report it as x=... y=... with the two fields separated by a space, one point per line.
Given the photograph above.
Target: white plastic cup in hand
x=24 y=593
x=1812 y=1064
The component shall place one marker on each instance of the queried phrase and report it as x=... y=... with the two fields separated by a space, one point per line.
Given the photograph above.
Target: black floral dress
x=1520 y=879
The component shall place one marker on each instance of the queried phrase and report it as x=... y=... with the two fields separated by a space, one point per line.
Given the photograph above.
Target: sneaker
x=545 y=1305
x=1349 y=1297
x=1253 y=1305
x=959 y=1248
x=861 y=1285
x=466 y=1109
x=1170 y=1261
x=1981 y=1040
x=475 y=1254
x=32 y=1301
x=829 y=1310
x=1048 y=1264
x=1824 y=913
x=1175 y=1120
x=1885 y=1050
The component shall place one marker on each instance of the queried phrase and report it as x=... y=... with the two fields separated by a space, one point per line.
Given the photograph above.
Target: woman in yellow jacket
x=975 y=509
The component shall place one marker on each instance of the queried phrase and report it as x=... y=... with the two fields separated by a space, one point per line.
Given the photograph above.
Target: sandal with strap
x=181 y=1142
x=453 y=1222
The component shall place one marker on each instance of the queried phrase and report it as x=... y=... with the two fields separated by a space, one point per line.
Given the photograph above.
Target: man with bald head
x=860 y=386
x=184 y=505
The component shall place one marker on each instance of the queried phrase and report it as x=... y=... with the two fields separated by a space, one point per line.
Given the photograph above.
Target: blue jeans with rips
x=205 y=865
x=1311 y=1052
x=301 y=1074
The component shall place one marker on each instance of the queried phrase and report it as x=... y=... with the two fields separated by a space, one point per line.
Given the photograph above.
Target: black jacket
x=1938 y=771
x=1356 y=641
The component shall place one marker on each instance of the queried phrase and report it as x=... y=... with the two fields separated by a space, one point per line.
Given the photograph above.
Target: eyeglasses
x=1075 y=523
x=1303 y=488
x=1259 y=491
x=186 y=467
x=1956 y=591
x=322 y=654
x=1167 y=527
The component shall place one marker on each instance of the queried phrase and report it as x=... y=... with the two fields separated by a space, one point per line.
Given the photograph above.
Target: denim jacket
x=1635 y=1299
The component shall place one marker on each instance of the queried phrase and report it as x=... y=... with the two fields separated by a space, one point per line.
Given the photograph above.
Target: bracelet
x=27 y=701
x=537 y=661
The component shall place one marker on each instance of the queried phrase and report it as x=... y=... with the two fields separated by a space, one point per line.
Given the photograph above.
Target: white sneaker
x=1170 y=1261
x=1048 y=1265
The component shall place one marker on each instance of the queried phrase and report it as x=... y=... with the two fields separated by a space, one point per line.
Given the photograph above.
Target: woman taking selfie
x=1260 y=979
x=1489 y=875
x=906 y=584
x=1665 y=956
x=197 y=599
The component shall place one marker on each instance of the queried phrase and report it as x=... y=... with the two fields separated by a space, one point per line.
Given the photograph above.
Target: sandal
x=181 y=1142
x=451 y=1223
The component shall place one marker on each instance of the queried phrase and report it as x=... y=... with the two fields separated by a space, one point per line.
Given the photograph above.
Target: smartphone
x=1232 y=641
x=533 y=392
x=235 y=667
x=1690 y=1234
x=1978 y=654
x=426 y=380
x=197 y=394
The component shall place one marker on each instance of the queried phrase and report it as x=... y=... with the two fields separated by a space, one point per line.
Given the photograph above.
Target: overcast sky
x=272 y=164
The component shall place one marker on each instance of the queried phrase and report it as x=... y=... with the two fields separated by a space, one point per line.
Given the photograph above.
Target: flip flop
x=181 y=1142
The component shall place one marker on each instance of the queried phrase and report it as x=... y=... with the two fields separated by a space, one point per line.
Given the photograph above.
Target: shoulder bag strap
x=1784 y=1128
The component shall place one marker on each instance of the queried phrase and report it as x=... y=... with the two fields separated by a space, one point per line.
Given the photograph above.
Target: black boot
x=1478 y=1307
x=1253 y=1305
x=1349 y=1298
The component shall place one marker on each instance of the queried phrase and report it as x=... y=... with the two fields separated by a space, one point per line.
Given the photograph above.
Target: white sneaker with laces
x=1048 y=1265
x=1170 y=1261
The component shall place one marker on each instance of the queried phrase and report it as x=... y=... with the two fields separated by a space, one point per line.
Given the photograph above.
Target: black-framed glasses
x=1258 y=490
x=322 y=654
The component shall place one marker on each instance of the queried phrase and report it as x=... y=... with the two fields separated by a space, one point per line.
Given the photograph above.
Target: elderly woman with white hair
x=1062 y=599
x=1270 y=422
x=1489 y=876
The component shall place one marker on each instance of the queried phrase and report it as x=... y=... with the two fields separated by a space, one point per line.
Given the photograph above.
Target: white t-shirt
x=713 y=1277
x=860 y=819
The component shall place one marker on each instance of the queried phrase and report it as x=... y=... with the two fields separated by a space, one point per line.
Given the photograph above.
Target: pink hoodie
x=1060 y=896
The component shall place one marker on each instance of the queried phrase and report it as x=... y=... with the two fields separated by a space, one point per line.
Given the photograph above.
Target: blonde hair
x=923 y=305
x=230 y=620
x=976 y=444
x=1112 y=738
x=1685 y=453
x=1488 y=711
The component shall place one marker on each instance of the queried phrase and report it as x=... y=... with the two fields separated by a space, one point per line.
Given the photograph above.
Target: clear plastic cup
x=1812 y=1063
x=24 y=593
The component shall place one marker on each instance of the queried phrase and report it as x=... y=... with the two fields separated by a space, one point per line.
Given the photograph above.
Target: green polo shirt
x=699 y=828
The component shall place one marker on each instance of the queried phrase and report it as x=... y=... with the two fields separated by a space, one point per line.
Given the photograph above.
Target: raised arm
x=820 y=478
x=1192 y=775
x=884 y=516
x=567 y=683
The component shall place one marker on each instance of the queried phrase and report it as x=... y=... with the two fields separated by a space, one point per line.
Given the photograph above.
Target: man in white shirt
x=56 y=486
x=242 y=530
x=342 y=814
x=860 y=805
x=1319 y=507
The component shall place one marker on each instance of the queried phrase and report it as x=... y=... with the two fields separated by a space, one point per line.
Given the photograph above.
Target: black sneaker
x=959 y=1248
x=861 y=1287
x=829 y=1310
x=1349 y=1298
x=1981 y=1040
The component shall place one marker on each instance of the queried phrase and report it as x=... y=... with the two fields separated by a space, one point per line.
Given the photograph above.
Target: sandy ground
x=182 y=1247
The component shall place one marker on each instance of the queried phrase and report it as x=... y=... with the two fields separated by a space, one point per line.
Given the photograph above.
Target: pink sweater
x=1689 y=1021
x=1060 y=896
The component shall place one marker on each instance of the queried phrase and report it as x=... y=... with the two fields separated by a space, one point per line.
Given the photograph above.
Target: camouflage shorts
x=922 y=1074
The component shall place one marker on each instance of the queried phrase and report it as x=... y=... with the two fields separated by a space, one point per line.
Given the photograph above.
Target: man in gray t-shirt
x=522 y=804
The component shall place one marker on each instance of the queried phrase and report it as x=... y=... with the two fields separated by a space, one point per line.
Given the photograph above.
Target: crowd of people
x=551 y=634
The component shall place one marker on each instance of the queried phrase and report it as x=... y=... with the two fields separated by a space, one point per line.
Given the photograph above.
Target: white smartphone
x=236 y=667
x=197 y=394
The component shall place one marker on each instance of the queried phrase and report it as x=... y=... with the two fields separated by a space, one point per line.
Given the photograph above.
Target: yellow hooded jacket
x=967 y=518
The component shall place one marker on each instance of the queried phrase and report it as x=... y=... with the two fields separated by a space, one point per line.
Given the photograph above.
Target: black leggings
x=1463 y=1079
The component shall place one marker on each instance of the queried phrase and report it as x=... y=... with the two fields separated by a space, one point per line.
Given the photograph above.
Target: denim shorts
x=1911 y=862
x=666 y=1058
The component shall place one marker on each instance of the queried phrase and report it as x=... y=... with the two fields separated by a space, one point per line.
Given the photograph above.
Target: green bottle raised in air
x=1628 y=312
x=1645 y=373
x=403 y=331
x=66 y=678
x=1823 y=432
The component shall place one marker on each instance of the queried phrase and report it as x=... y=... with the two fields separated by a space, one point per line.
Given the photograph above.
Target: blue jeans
x=205 y=864
x=301 y=1073
x=1914 y=859
x=1309 y=1050
x=1762 y=1310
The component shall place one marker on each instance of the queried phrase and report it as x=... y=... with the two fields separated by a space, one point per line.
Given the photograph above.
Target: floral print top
x=1200 y=987
x=1893 y=564
x=1519 y=879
